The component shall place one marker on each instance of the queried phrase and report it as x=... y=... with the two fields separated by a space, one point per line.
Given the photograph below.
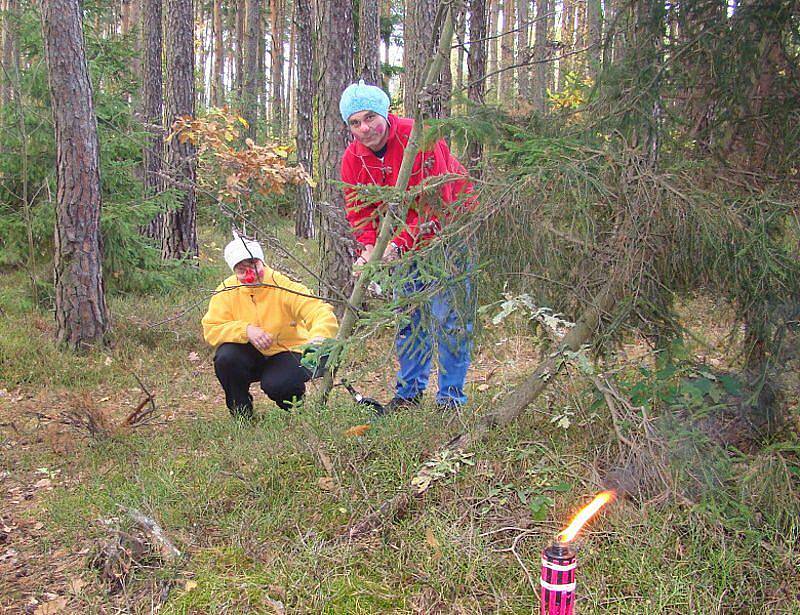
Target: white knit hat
x=241 y=249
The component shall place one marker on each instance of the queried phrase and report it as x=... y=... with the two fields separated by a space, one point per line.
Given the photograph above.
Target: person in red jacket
x=374 y=158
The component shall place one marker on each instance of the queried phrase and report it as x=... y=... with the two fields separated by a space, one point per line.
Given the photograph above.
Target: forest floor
x=258 y=510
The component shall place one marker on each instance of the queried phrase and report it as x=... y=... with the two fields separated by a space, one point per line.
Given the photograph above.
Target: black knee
x=284 y=386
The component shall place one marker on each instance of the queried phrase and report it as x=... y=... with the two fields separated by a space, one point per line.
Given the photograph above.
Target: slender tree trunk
x=420 y=43
x=539 y=94
x=179 y=238
x=507 y=52
x=476 y=71
x=10 y=47
x=250 y=76
x=291 y=72
x=337 y=71
x=153 y=109
x=386 y=33
x=461 y=36
x=278 y=26
x=81 y=313
x=369 y=42
x=239 y=16
x=580 y=61
x=493 y=81
x=217 y=78
x=135 y=16
x=304 y=219
x=523 y=52
x=567 y=42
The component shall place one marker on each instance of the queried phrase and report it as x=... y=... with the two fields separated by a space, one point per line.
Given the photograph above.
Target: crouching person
x=261 y=322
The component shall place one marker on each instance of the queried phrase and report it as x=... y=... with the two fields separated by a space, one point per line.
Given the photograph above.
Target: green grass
x=245 y=504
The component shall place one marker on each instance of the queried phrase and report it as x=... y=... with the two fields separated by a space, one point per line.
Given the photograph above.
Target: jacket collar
x=362 y=150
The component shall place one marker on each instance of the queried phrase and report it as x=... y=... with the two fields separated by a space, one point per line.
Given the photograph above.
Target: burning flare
x=584 y=514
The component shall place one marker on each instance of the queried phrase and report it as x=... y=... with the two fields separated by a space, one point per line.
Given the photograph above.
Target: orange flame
x=584 y=514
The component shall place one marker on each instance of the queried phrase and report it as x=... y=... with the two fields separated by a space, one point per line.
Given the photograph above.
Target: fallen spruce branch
x=513 y=407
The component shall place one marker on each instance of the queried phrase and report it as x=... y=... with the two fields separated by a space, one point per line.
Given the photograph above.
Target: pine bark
x=278 y=26
x=369 y=42
x=540 y=71
x=337 y=71
x=304 y=218
x=152 y=109
x=10 y=34
x=567 y=42
x=493 y=79
x=476 y=71
x=239 y=15
x=179 y=235
x=507 y=52
x=523 y=52
x=217 y=76
x=594 y=26
x=81 y=312
x=250 y=76
x=420 y=43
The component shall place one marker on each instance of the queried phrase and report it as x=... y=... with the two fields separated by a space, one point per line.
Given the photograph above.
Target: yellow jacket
x=291 y=318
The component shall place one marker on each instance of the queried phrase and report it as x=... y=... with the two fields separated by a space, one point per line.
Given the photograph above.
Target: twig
x=140 y=416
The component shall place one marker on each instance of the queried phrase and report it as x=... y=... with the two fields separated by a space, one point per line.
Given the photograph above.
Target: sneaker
x=402 y=403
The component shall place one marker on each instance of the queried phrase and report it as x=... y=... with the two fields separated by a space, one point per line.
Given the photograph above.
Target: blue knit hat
x=362 y=97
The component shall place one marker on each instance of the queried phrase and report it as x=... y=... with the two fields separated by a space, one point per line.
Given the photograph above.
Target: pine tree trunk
x=152 y=109
x=239 y=15
x=291 y=73
x=507 y=52
x=136 y=17
x=81 y=313
x=420 y=43
x=337 y=71
x=567 y=42
x=523 y=52
x=217 y=77
x=492 y=82
x=179 y=235
x=277 y=22
x=594 y=26
x=476 y=71
x=250 y=76
x=369 y=42
x=539 y=94
x=10 y=34
x=304 y=218
x=461 y=35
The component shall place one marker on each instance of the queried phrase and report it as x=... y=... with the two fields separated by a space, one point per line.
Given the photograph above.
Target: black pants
x=282 y=377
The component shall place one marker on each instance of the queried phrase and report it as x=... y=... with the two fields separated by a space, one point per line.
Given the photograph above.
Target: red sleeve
x=458 y=189
x=361 y=217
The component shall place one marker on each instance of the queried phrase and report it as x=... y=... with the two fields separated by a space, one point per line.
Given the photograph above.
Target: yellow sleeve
x=219 y=324
x=317 y=315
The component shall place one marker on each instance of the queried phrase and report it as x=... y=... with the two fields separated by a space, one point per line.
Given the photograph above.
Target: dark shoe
x=448 y=406
x=402 y=403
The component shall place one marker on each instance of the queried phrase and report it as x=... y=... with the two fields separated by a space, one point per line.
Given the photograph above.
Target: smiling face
x=249 y=271
x=369 y=128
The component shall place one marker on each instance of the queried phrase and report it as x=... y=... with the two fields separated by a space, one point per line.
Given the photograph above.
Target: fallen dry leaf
x=190 y=585
x=194 y=357
x=431 y=541
x=52 y=607
x=357 y=430
x=327 y=483
x=75 y=585
x=483 y=387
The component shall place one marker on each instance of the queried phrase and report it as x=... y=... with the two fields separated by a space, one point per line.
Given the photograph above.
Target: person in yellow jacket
x=260 y=322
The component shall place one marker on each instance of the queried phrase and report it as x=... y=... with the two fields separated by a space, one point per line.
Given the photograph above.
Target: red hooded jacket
x=360 y=166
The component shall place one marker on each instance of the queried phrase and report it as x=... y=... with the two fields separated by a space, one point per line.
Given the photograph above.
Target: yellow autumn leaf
x=357 y=430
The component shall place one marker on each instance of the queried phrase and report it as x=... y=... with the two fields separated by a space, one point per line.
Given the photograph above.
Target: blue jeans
x=445 y=317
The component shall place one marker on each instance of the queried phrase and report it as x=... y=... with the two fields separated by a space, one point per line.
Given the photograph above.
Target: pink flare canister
x=558 y=580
